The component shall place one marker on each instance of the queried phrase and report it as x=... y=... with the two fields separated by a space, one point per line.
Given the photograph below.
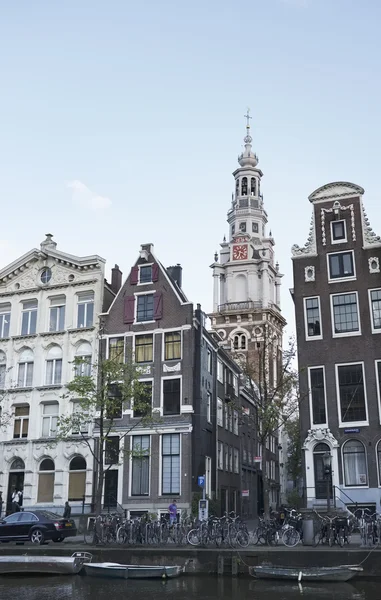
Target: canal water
x=184 y=588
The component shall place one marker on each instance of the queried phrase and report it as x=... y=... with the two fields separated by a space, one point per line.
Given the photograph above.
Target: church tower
x=246 y=298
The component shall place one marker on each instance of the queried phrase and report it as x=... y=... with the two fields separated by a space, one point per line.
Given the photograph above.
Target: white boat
x=118 y=571
x=302 y=574
x=44 y=565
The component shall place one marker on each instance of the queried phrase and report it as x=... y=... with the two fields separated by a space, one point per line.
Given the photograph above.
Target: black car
x=37 y=526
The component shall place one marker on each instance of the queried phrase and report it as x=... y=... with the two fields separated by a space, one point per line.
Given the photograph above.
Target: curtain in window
x=172 y=345
x=171 y=463
x=140 y=465
x=355 y=471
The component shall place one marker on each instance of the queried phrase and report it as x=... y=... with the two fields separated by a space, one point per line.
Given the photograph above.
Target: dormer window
x=338 y=231
x=244 y=186
x=242 y=227
x=145 y=274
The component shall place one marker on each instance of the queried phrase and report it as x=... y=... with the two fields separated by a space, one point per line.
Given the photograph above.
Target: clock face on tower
x=240 y=252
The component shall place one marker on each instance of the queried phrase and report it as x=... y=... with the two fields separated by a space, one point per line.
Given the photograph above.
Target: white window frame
x=378 y=386
x=220 y=370
x=220 y=458
x=378 y=469
x=54 y=374
x=220 y=411
x=175 y=495
x=312 y=337
x=162 y=393
x=236 y=460
x=144 y=282
x=209 y=354
x=26 y=363
x=346 y=333
x=113 y=337
x=131 y=436
x=58 y=306
x=312 y=425
x=374 y=330
x=144 y=334
x=29 y=310
x=344 y=239
x=145 y=380
x=174 y=330
x=137 y=294
x=50 y=417
x=21 y=419
x=235 y=422
x=3 y=313
x=356 y=487
x=209 y=407
x=86 y=303
x=208 y=476
x=85 y=428
x=349 y=424
x=340 y=279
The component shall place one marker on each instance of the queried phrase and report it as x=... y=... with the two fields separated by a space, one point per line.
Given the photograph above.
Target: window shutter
x=134 y=275
x=129 y=309
x=155 y=272
x=157 y=306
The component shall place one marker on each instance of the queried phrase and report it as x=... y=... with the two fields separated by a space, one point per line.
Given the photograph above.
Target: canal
x=184 y=588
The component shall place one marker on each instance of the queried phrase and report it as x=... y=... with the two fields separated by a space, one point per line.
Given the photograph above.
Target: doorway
x=320 y=478
x=111 y=489
x=15 y=481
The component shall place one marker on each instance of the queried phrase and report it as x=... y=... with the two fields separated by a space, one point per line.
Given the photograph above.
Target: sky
x=121 y=123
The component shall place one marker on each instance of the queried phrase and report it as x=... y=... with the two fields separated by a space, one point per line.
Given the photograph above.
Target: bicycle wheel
x=273 y=537
x=291 y=537
x=121 y=535
x=341 y=537
x=318 y=537
x=194 y=537
x=243 y=538
x=331 y=538
x=262 y=536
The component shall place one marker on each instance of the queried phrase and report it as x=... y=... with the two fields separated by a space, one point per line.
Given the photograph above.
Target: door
x=321 y=481
x=111 y=489
x=26 y=521
x=9 y=529
x=15 y=481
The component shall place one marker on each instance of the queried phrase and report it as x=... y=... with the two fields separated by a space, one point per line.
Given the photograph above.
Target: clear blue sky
x=121 y=122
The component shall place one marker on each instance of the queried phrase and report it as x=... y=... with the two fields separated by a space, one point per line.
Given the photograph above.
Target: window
x=354 y=461
x=253 y=186
x=82 y=420
x=171 y=396
x=144 y=310
x=172 y=344
x=85 y=309
x=272 y=469
x=114 y=407
x=49 y=419
x=226 y=457
x=351 y=393
x=226 y=416
x=312 y=317
x=242 y=227
x=171 y=463
x=220 y=417
x=220 y=371
x=83 y=357
x=77 y=478
x=345 y=314
x=236 y=461
x=220 y=455
x=116 y=349
x=140 y=465
x=25 y=368
x=209 y=359
x=45 y=491
x=57 y=313
x=317 y=395
x=239 y=342
x=21 y=422
x=5 y=319
x=29 y=317
x=3 y=369
x=112 y=450
x=341 y=265
x=235 y=422
x=208 y=476
x=375 y=301
x=145 y=274
x=230 y=459
x=209 y=407
x=230 y=418
x=54 y=366
x=46 y=275
x=143 y=400
x=244 y=186
x=233 y=230
x=255 y=227
x=338 y=231
x=143 y=348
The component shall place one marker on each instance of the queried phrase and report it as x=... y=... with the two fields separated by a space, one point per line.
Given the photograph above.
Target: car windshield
x=49 y=515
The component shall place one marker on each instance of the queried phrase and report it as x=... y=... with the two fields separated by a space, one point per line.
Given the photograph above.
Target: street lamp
x=327 y=462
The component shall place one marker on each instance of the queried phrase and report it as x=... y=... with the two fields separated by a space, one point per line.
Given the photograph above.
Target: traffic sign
x=201 y=481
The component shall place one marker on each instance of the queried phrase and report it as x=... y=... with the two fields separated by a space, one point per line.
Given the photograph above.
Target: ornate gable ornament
x=337 y=189
x=309 y=248
x=369 y=236
x=320 y=434
x=339 y=207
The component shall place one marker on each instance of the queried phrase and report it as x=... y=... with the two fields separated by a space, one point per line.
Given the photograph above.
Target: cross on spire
x=248 y=117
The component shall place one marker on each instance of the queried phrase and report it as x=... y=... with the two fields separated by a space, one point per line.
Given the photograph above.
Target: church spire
x=248 y=158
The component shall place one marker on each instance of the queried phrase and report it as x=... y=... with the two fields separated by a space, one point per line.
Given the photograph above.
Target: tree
x=100 y=399
x=272 y=378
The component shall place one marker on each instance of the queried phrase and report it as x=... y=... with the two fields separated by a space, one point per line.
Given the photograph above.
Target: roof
x=336 y=189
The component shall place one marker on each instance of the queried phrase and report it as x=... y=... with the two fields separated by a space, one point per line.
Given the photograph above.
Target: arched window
x=25 y=368
x=239 y=342
x=253 y=186
x=237 y=186
x=3 y=369
x=46 y=481
x=77 y=478
x=54 y=366
x=244 y=186
x=83 y=357
x=17 y=465
x=354 y=464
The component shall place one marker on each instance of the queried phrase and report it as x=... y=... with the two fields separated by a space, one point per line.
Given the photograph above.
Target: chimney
x=116 y=279
x=176 y=272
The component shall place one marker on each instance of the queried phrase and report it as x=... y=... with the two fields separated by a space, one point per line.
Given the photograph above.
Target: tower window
x=253 y=186
x=242 y=226
x=239 y=342
x=255 y=227
x=244 y=186
x=233 y=229
x=237 y=187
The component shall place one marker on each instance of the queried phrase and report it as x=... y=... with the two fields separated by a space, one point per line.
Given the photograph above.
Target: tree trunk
x=99 y=490
x=266 y=486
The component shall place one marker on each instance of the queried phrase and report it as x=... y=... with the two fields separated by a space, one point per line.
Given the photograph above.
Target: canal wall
x=213 y=561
